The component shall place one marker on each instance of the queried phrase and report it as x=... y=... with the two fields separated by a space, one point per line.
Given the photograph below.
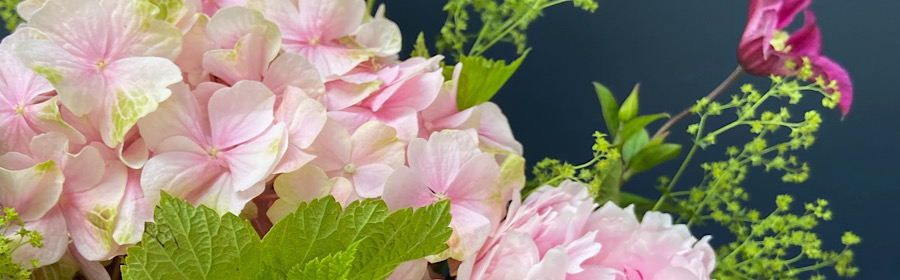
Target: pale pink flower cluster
x=108 y=103
x=259 y=105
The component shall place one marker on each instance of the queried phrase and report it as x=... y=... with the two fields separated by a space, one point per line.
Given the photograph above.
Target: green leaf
x=407 y=235
x=304 y=235
x=610 y=108
x=334 y=266
x=629 y=108
x=481 y=78
x=636 y=125
x=635 y=144
x=193 y=243
x=420 y=49
x=610 y=182
x=321 y=228
x=651 y=156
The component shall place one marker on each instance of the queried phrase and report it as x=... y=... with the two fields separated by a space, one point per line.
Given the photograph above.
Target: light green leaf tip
x=481 y=78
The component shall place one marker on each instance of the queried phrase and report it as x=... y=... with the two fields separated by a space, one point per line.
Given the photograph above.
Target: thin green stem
x=684 y=165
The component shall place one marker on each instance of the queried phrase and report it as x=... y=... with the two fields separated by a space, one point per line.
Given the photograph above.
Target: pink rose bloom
x=556 y=234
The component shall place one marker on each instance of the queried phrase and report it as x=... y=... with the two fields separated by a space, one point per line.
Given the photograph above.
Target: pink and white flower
x=450 y=166
x=213 y=147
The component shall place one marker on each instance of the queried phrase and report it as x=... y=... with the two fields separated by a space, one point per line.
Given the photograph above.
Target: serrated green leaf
x=481 y=78
x=303 y=235
x=335 y=266
x=610 y=108
x=635 y=144
x=651 y=156
x=408 y=235
x=637 y=124
x=193 y=243
x=629 y=108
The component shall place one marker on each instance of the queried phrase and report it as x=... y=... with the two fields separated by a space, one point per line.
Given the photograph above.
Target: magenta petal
x=789 y=9
x=830 y=70
x=807 y=41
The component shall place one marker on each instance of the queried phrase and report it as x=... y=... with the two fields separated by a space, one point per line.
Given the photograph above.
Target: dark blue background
x=680 y=50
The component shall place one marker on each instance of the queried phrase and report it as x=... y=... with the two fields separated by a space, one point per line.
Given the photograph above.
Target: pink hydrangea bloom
x=556 y=234
x=95 y=190
x=325 y=32
x=405 y=89
x=449 y=165
x=213 y=147
x=494 y=133
x=764 y=47
x=303 y=185
x=117 y=71
x=366 y=157
x=28 y=103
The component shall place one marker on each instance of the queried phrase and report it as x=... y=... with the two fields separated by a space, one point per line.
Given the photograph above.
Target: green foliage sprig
x=9 y=243
x=318 y=241
x=781 y=245
x=602 y=173
x=9 y=14
x=500 y=21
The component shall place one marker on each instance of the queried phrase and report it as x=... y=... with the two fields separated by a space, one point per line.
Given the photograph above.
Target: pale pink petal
x=181 y=174
x=196 y=43
x=404 y=189
x=302 y=185
x=352 y=117
x=32 y=191
x=470 y=231
x=134 y=153
x=84 y=170
x=91 y=215
x=329 y=19
x=133 y=95
x=369 y=179
x=495 y=131
x=442 y=156
x=374 y=142
x=381 y=35
x=251 y=162
x=304 y=118
x=134 y=211
x=351 y=89
x=52 y=227
x=239 y=113
x=72 y=79
x=552 y=266
x=332 y=148
x=290 y=69
x=403 y=119
x=330 y=60
x=180 y=115
x=92 y=270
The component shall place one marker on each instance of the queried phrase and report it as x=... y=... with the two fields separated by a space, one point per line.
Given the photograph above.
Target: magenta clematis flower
x=765 y=48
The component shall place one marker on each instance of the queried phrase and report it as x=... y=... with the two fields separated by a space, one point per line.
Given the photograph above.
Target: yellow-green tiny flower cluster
x=500 y=21
x=9 y=14
x=9 y=243
x=780 y=245
x=602 y=173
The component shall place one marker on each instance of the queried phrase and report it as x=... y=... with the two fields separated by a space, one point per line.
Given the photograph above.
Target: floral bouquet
x=291 y=139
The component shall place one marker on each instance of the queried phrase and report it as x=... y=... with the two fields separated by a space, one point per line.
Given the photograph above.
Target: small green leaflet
x=481 y=78
x=318 y=241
